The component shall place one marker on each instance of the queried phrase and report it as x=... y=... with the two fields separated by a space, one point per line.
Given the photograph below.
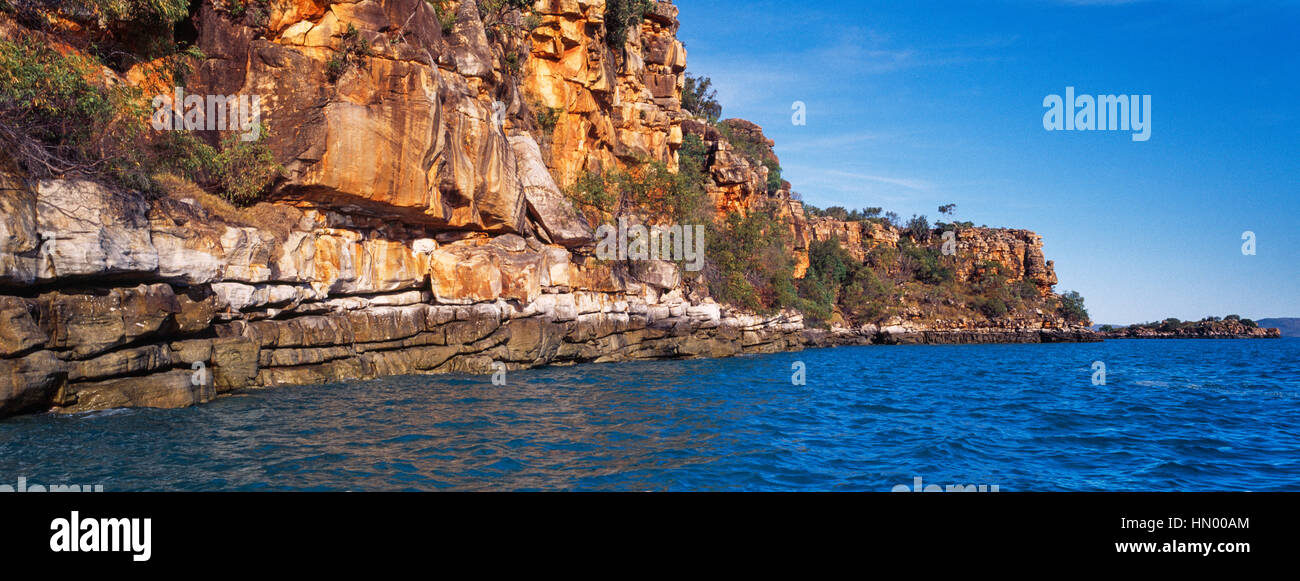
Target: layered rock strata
x=126 y=302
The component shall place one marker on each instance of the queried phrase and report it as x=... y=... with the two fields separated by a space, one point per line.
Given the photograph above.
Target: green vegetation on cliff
x=875 y=215
x=56 y=119
x=621 y=16
x=65 y=116
x=749 y=263
x=912 y=278
x=756 y=151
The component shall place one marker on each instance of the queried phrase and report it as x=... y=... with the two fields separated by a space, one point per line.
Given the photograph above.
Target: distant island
x=1290 y=327
x=1229 y=327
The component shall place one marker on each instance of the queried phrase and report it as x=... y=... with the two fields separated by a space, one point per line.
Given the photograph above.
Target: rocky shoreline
x=1149 y=334
x=135 y=353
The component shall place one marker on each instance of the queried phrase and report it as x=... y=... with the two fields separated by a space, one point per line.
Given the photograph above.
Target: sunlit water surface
x=1173 y=415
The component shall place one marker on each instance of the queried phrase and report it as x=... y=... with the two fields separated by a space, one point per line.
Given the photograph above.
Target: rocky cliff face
x=420 y=225
x=422 y=128
x=1019 y=252
x=612 y=106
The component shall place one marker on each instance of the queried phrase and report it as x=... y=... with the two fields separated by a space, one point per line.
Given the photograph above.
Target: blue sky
x=915 y=104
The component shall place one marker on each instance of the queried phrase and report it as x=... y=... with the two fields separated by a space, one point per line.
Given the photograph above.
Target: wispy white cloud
x=835 y=187
x=830 y=142
x=909 y=183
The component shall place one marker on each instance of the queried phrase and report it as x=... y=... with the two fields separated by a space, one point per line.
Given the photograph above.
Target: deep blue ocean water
x=1199 y=415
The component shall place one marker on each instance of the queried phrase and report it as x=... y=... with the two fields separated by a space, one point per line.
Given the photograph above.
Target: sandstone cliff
x=420 y=224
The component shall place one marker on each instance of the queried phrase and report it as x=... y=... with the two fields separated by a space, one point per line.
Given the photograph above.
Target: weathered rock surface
x=612 y=105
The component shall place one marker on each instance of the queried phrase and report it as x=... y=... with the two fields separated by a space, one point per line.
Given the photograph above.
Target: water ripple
x=1174 y=415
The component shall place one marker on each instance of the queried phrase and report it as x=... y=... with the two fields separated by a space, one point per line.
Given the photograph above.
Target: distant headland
x=1229 y=327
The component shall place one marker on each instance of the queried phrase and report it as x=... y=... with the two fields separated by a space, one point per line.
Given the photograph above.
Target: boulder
x=234 y=364
x=170 y=390
x=546 y=202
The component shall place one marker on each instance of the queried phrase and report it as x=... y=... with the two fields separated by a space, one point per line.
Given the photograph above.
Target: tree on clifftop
x=919 y=228
x=699 y=98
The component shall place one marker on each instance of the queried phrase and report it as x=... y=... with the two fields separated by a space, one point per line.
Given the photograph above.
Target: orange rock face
x=372 y=109
x=613 y=106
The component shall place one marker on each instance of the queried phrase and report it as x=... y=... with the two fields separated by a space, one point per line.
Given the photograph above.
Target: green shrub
x=121 y=33
x=621 y=16
x=774 y=181
x=865 y=215
x=239 y=171
x=649 y=189
x=1026 y=290
x=693 y=155
x=352 y=54
x=828 y=261
x=882 y=257
x=749 y=263
x=180 y=64
x=547 y=117
x=244 y=169
x=1073 y=310
x=492 y=9
x=446 y=18
x=532 y=22
x=835 y=277
x=925 y=264
x=991 y=307
x=866 y=296
x=514 y=62
x=55 y=119
x=142 y=12
x=819 y=298
x=593 y=194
